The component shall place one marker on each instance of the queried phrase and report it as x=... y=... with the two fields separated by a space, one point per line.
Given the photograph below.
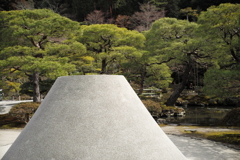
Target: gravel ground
x=7 y=137
x=202 y=149
x=193 y=148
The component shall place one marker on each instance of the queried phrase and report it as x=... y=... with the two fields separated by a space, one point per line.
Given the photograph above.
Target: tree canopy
x=36 y=42
x=108 y=43
x=143 y=69
x=221 y=25
x=178 y=43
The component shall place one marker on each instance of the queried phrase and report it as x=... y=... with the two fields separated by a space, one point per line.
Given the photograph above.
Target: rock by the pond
x=232 y=118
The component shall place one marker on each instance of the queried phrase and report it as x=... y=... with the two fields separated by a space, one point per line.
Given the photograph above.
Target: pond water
x=201 y=116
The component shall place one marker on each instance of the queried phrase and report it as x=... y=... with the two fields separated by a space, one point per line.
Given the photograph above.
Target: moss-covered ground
x=219 y=134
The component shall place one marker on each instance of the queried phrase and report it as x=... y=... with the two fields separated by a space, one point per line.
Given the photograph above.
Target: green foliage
x=41 y=44
x=26 y=91
x=225 y=17
x=44 y=42
x=176 y=39
x=107 y=44
x=30 y=64
x=143 y=69
x=36 y=33
x=189 y=12
x=176 y=42
x=160 y=75
x=15 y=86
x=222 y=83
x=37 y=25
x=221 y=25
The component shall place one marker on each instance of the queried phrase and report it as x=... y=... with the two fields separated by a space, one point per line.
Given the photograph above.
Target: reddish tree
x=95 y=17
x=123 y=21
x=142 y=21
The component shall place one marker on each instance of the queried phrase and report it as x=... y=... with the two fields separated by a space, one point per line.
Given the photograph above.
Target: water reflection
x=200 y=116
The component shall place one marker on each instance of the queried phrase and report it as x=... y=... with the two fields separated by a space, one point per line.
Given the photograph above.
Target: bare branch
x=95 y=17
x=143 y=20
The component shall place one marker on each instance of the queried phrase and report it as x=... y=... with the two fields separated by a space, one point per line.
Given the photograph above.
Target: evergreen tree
x=36 y=42
x=104 y=43
x=143 y=69
x=221 y=27
x=175 y=40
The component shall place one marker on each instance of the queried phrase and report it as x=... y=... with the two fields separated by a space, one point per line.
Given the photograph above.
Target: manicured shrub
x=23 y=112
x=153 y=107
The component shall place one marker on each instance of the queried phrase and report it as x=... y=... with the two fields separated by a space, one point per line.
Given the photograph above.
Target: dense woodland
x=178 y=44
x=79 y=9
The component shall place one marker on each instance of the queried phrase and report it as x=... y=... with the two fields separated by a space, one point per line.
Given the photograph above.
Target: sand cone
x=97 y=117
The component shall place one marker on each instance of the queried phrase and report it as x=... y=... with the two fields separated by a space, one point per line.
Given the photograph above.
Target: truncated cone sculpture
x=92 y=118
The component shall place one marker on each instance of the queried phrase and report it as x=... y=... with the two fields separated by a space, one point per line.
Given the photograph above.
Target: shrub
x=24 y=111
x=153 y=107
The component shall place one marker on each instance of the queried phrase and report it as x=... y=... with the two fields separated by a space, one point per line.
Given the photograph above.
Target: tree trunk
x=142 y=81
x=173 y=98
x=104 y=66
x=36 y=88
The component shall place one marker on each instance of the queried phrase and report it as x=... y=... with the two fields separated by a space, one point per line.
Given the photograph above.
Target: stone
x=93 y=117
